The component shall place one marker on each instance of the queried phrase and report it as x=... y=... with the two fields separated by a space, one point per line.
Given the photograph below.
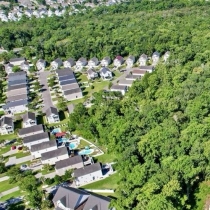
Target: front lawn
x=5 y=149
x=5 y=185
x=108 y=183
x=8 y=137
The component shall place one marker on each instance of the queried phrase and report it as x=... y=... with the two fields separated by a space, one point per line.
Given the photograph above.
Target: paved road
x=9 y=191
x=14 y=160
x=46 y=93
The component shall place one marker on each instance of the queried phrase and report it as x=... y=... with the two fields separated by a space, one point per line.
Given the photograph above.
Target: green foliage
x=35 y=198
x=2 y=168
x=47 y=167
x=49 y=181
x=29 y=183
x=16 y=68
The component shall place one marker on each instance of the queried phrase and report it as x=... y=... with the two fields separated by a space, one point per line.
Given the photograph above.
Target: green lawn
x=82 y=78
x=108 y=183
x=83 y=144
x=12 y=195
x=5 y=149
x=106 y=158
x=21 y=154
x=5 y=185
x=8 y=137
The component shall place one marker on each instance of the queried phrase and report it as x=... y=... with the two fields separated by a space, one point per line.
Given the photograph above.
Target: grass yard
x=83 y=144
x=117 y=74
x=106 y=158
x=12 y=195
x=5 y=149
x=108 y=183
x=82 y=78
x=8 y=137
x=21 y=154
x=5 y=185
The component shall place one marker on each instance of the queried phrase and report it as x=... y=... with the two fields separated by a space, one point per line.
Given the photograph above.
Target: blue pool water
x=56 y=130
x=72 y=145
x=86 y=151
x=61 y=140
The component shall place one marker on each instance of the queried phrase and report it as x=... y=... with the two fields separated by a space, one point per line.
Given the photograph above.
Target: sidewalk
x=4 y=178
x=9 y=191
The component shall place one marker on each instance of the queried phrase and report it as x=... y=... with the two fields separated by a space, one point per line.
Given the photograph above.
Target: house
x=73 y=94
x=78 y=199
x=147 y=68
x=64 y=72
x=166 y=56
x=52 y=115
x=6 y=125
x=17 y=61
x=15 y=106
x=40 y=65
x=119 y=88
x=50 y=13
x=118 y=61
x=69 y=63
x=56 y=64
x=127 y=83
x=29 y=119
x=138 y=72
x=81 y=63
x=21 y=75
x=93 y=62
x=143 y=60
x=53 y=156
x=29 y=131
x=8 y=68
x=67 y=77
x=71 y=163
x=106 y=61
x=155 y=58
x=132 y=77
x=47 y=146
x=29 y=13
x=130 y=61
x=71 y=108
x=91 y=74
x=87 y=174
x=34 y=139
x=105 y=73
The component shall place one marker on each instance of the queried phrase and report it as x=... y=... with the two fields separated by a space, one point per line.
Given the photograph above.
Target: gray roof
x=15 y=103
x=64 y=72
x=143 y=56
x=35 y=137
x=17 y=98
x=17 y=74
x=125 y=82
x=146 y=68
x=15 y=87
x=106 y=58
x=51 y=110
x=6 y=120
x=71 y=61
x=68 y=92
x=71 y=108
x=29 y=116
x=131 y=57
x=104 y=70
x=57 y=60
x=68 y=162
x=82 y=59
x=91 y=71
x=67 y=77
x=94 y=59
x=156 y=54
x=41 y=61
x=118 y=87
x=16 y=92
x=21 y=75
x=68 y=82
x=70 y=86
x=97 y=202
x=31 y=129
x=87 y=170
x=43 y=145
x=130 y=76
x=70 y=197
x=17 y=82
x=16 y=59
x=54 y=153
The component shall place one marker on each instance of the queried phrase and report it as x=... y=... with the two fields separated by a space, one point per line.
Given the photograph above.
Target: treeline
x=128 y=28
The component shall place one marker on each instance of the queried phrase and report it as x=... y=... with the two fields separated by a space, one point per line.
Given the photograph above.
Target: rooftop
x=64 y=72
x=6 y=121
x=29 y=116
x=43 y=145
x=35 y=137
x=70 y=86
x=15 y=87
x=68 y=92
x=15 y=103
x=31 y=129
x=17 y=98
x=54 y=153
x=51 y=110
x=118 y=87
x=68 y=82
x=16 y=59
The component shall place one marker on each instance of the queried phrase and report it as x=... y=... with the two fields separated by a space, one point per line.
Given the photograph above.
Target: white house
x=69 y=63
x=106 y=61
x=29 y=13
x=29 y=119
x=8 y=68
x=130 y=61
x=166 y=56
x=155 y=58
x=15 y=106
x=47 y=146
x=81 y=62
x=93 y=62
x=41 y=64
x=34 y=139
x=119 y=88
x=56 y=64
x=118 y=61
x=87 y=174
x=17 y=61
x=143 y=60
x=30 y=131
x=6 y=125
x=25 y=66
x=105 y=73
x=54 y=156
x=91 y=74
x=52 y=115
x=71 y=163
x=50 y=13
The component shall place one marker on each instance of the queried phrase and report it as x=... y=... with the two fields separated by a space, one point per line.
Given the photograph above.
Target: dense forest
x=160 y=131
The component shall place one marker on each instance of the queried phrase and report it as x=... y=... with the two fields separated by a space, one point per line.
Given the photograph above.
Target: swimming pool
x=56 y=130
x=72 y=145
x=61 y=140
x=86 y=151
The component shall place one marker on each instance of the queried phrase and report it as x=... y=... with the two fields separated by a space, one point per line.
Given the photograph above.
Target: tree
x=67 y=176
x=16 y=68
x=29 y=183
x=47 y=167
x=62 y=104
x=47 y=204
x=35 y=198
x=58 y=179
x=2 y=168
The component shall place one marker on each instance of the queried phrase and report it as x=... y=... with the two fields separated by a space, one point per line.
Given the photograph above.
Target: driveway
x=14 y=160
x=46 y=91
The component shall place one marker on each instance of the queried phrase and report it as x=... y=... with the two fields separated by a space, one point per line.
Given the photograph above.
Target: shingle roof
x=70 y=197
x=17 y=74
x=146 y=67
x=16 y=92
x=31 y=129
x=106 y=58
x=95 y=60
x=64 y=72
x=120 y=58
x=54 y=153
x=87 y=170
x=97 y=202
x=104 y=70
x=131 y=57
x=41 y=61
x=21 y=75
x=51 y=110
x=35 y=137
x=17 y=82
x=29 y=116
x=68 y=162
x=70 y=86
x=67 y=77
x=118 y=87
x=125 y=82
x=15 y=103
x=67 y=82
x=43 y=145
x=6 y=120
x=91 y=71
x=143 y=56
x=71 y=108
x=130 y=76
x=71 y=61
x=139 y=72
x=82 y=59
x=15 y=87
x=68 y=92
x=58 y=60
x=17 y=98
